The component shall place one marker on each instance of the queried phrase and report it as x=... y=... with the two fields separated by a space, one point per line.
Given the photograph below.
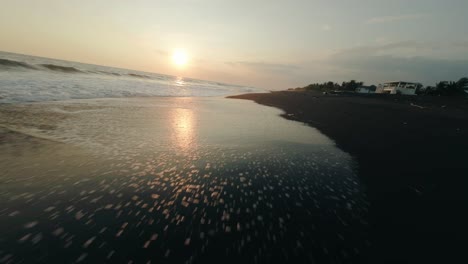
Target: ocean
x=26 y=78
x=103 y=165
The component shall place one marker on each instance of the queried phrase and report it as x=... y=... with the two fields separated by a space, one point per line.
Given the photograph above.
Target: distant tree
x=430 y=90
x=448 y=88
x=326 y=86
x=445 y=88
x=351 y=85
x=463 y=84
x=329 y=86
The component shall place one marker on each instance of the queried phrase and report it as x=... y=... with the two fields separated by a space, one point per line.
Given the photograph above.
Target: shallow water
x=173 y=180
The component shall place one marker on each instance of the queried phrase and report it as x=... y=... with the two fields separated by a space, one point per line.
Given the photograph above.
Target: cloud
x=391 y=62
x=423 y=62
x=373 y=64
x=387 y=19
x=265 y=66
x=272 y=76
x=401 y=48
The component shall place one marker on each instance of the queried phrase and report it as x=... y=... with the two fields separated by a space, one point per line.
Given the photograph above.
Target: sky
x=269 y=44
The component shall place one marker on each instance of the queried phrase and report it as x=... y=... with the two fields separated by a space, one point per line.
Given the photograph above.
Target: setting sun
x=179 y=58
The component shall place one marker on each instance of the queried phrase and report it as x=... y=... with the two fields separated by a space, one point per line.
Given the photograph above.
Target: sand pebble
x=49 y=209
x=89 y=242
x=58 y=231
x=147 y=243
x=82 y=257
x=24 y=238
x=31 y=224
x=15 y=213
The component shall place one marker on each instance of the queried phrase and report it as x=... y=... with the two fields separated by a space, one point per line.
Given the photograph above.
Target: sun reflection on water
x=180 y=82
x=183 y=123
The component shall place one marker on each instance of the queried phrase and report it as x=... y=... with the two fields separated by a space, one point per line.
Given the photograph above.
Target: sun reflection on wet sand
x=183 y=124
x=174 y=180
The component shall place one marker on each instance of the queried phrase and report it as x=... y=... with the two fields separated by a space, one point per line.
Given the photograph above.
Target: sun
x=179 y=58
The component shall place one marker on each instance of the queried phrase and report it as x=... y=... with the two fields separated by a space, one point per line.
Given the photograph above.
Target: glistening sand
x=173 y=180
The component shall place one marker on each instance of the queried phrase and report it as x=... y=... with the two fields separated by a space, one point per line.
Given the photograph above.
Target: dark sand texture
x=173 y=180
x=413 y=158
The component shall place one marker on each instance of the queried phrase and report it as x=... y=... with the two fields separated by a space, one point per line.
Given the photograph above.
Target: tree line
x=350 y=86
x=446 y=88
x=443 y=88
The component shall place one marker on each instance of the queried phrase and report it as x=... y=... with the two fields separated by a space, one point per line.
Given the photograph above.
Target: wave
x=59 y=68
x=109 y=73
x=26 y=78
x=17 y=64
x=63 y=69
x=139 y=76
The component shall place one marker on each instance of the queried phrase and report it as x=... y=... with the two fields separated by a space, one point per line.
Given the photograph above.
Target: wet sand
x=412 y=157
x=174 y=180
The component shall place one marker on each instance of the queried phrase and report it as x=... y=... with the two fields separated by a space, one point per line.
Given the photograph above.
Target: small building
x=365 y=89
x=399 y=87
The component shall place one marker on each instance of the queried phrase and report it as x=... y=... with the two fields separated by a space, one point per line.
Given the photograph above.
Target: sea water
x=26 y=78
x=172 y=180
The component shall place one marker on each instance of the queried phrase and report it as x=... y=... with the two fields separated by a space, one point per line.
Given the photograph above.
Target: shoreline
x=209 y=178
x=411 y=154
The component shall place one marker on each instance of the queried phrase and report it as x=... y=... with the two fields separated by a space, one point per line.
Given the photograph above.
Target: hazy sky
x=264 y=43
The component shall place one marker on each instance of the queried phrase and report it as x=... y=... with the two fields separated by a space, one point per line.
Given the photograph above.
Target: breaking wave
x=4 y=63
x=8 y=65
x=12 y=64
x=138 y=75
x=59 y=68
x=26 y=78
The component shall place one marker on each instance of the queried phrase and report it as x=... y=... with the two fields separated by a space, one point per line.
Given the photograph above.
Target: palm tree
x=452 y=88
x=463 y=84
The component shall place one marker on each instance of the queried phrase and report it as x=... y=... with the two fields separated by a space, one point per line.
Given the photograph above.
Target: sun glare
x=179 y=58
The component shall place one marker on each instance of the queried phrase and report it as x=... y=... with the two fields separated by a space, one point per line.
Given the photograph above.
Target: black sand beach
x=174 y=180
x=412 y=154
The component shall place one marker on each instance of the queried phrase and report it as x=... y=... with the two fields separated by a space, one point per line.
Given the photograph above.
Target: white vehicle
x=399 y=87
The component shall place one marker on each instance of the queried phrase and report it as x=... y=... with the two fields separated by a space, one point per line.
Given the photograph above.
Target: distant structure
x=366 y=89
x=465 y=88
x=399 y=87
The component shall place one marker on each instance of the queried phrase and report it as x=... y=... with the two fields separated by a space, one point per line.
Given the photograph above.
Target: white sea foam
x=34 y=79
